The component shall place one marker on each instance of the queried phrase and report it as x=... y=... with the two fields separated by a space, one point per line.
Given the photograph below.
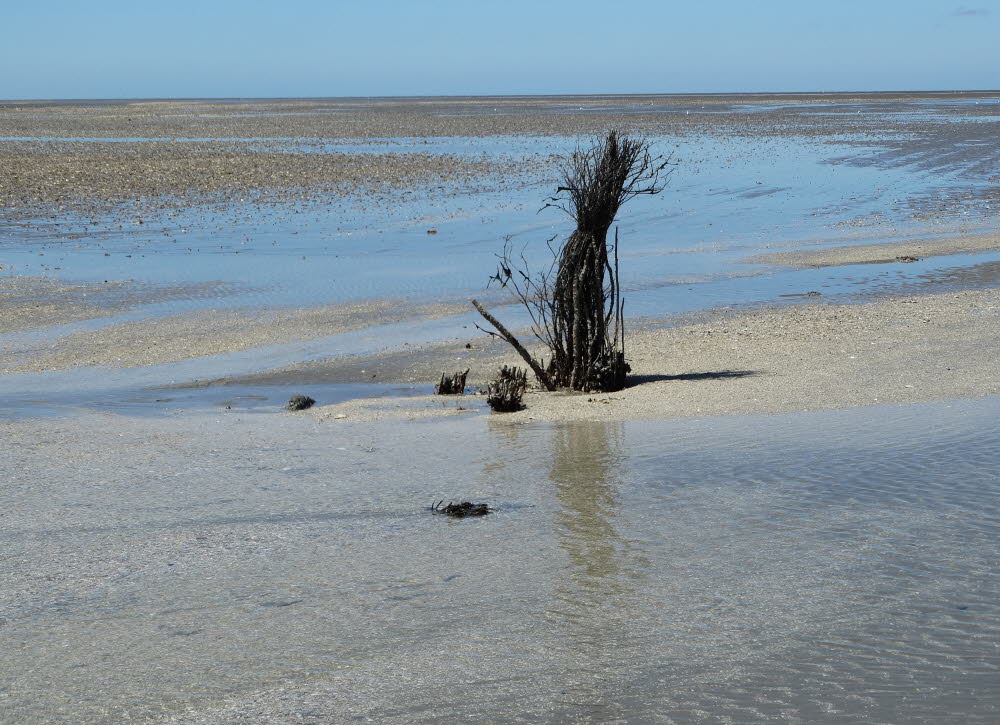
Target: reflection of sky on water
x=726 y=198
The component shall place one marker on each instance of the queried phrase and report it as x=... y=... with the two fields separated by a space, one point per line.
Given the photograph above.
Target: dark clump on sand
x=505 y=393
x=300 y=402
x=452 y=384
x=461 y=510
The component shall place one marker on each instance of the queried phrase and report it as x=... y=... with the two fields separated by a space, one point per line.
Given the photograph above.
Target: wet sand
x=181 y=337
x=361 y=118
x=32 y=303
x=792 y=358
x=92 y=156
x=880 y=253
x=95 y=178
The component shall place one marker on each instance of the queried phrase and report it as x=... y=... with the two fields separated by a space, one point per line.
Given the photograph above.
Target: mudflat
x=790 y=512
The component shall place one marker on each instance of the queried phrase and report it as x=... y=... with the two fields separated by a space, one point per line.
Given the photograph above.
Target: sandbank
x=882 y=253
x=772 y=360
x=172 y=338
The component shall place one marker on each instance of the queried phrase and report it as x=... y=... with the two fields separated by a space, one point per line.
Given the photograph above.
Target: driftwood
x=506 y=391
x=451 y=384
x=576 y=305
x=461 y=510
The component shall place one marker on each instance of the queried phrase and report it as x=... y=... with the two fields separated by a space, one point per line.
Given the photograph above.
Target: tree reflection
x=587 y=462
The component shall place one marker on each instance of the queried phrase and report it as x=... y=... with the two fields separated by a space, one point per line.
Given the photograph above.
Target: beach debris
x=432 y=231
x=506 y=390
x=300 y=402
x=814 y=293
x=907 y=258
x=453 y=384
x=461 y=510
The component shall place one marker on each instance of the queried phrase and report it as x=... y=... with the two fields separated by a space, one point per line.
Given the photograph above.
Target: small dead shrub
x=451 y=384
x=506 y=391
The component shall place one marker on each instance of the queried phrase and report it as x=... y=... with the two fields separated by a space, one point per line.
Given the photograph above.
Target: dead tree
x=576 y=304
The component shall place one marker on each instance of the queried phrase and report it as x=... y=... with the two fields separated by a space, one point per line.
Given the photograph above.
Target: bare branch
x=543 y=378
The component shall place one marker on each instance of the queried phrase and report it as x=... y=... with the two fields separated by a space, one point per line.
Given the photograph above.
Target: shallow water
x=727 y=197
x=824 y=567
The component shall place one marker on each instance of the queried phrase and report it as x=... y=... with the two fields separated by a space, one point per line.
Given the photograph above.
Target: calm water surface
x=727 y=197
x=824 y=567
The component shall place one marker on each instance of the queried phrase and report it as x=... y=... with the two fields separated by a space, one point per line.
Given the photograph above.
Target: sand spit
x=880 y=253
x=775 y=360
x=180 y=337
x=29 y=303
x=380 y=410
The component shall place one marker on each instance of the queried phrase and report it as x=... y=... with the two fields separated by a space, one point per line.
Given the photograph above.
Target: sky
x=295 y=48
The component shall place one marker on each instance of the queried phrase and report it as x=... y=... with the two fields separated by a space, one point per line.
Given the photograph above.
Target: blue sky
x=252 y=48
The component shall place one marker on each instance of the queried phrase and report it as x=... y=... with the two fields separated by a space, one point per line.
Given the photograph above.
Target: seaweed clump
x=451 y=384
x=300 y=402
x=461 y=510
x=506 y=391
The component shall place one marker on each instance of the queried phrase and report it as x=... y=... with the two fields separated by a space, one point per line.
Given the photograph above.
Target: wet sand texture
x=880 y=253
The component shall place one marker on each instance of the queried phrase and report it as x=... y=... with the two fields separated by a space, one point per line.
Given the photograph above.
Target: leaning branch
x=542 y=376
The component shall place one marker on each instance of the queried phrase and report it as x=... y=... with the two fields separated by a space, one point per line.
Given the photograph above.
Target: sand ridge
x=158 y=340
x=880 y=253
x=773 y=360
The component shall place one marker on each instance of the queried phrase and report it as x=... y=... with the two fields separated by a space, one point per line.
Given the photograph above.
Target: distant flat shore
x=762 y=95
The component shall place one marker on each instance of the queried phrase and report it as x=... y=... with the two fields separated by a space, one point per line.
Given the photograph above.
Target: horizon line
x=132 y=99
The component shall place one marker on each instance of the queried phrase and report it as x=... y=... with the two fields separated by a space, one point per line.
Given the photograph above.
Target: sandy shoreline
x=784 y=358
x=774 y=360
x=96 y=178
x=428 y=116
x=90 y=157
